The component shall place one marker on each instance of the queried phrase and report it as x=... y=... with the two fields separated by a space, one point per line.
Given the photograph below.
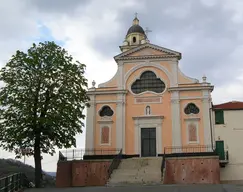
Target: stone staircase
x=145 y=171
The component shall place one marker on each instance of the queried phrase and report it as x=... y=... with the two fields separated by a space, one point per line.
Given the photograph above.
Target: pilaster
x=120 y=122
x=206 y=117
x=120 y=78
x=176 y=124
x=90 y=123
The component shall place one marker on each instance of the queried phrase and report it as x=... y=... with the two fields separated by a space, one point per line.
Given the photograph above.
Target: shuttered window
x=219 y=117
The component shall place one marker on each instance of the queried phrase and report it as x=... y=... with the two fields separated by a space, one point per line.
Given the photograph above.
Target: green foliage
x=44 y=95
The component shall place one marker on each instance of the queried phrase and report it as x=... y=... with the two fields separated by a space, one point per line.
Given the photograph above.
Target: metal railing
x=115 y=163
x=14 y=182
x=78 y=154
x=183 y=150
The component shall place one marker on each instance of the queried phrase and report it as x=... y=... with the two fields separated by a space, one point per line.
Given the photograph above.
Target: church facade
x=149 y=104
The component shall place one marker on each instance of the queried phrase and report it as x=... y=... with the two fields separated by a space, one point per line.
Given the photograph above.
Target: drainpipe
x=210 y=120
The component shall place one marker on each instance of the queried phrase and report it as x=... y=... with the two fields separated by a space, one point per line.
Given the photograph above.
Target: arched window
x=148 y=82
x=134 y=39
x=191 y=108
x=106 y=111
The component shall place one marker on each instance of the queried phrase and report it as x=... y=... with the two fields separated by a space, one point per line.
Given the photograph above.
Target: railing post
x=6 y=184
x=12 y=183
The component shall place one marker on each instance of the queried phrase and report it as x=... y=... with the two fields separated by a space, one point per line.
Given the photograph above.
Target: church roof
x=232 y=105
x=135 y=29
x=169 y=53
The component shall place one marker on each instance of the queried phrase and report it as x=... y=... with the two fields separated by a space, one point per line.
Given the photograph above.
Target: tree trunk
x=37 y=157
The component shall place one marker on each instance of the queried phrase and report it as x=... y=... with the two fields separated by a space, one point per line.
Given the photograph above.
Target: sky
x=208 y=33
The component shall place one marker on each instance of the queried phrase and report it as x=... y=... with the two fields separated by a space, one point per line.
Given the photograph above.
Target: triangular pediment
x=148 y=51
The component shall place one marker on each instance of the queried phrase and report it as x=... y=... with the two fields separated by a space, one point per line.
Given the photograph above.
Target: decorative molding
x=162 y=68
x=197 y=131
x=142 y=100
x=191 y=98
x=106 y=101
x=105 y=122
x=169 y=53
x=148 y=117
x=151 y=121
x=151 y=60
x=191 y=118
x=120 y=103
x=206 y=100
x=110 y=139
x=107 y=92
x=191 y=88
x=175 y=101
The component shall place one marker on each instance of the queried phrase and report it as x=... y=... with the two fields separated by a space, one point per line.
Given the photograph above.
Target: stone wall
x=192 y=170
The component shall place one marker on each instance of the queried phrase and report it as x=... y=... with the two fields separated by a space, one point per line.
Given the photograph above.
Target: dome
x=135 y=29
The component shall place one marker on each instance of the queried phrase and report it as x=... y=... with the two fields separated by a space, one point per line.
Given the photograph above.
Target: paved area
x=157 y=188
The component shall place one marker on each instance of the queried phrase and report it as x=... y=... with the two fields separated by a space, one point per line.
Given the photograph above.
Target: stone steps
x=146 y=171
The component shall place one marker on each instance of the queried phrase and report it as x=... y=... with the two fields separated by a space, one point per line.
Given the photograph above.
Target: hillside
x=10 y=166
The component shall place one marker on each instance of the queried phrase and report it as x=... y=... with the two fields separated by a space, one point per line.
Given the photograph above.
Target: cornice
x=191 y=88
x=170 y=53
x=148 y=117
x=105 y=92
x=146 y=57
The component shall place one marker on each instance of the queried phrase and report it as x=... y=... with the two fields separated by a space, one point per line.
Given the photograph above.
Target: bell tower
x=135 y=36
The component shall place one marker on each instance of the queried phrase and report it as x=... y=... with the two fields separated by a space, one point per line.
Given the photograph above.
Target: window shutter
x=219 y=117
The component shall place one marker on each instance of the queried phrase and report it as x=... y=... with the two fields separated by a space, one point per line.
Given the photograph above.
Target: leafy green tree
x=42 y=99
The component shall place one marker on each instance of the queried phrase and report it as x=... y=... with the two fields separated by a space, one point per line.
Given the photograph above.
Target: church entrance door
x=148 y=142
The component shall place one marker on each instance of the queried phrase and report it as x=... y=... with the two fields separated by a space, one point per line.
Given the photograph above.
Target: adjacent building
x=228 y=125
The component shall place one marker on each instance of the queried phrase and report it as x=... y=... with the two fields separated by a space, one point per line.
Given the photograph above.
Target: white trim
x=196 y=122
x=148 y=64
x=206 y=117
x=170 y=53
x=107 y=101
x=106 y=92
x=191 y=98
x=106 y=120
x=152 y=121
x=120 y=123
x=139 y=76
x=101 y=127
x=191 y=88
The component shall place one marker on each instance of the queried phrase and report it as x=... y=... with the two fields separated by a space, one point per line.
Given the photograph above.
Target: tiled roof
x=233 y=105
